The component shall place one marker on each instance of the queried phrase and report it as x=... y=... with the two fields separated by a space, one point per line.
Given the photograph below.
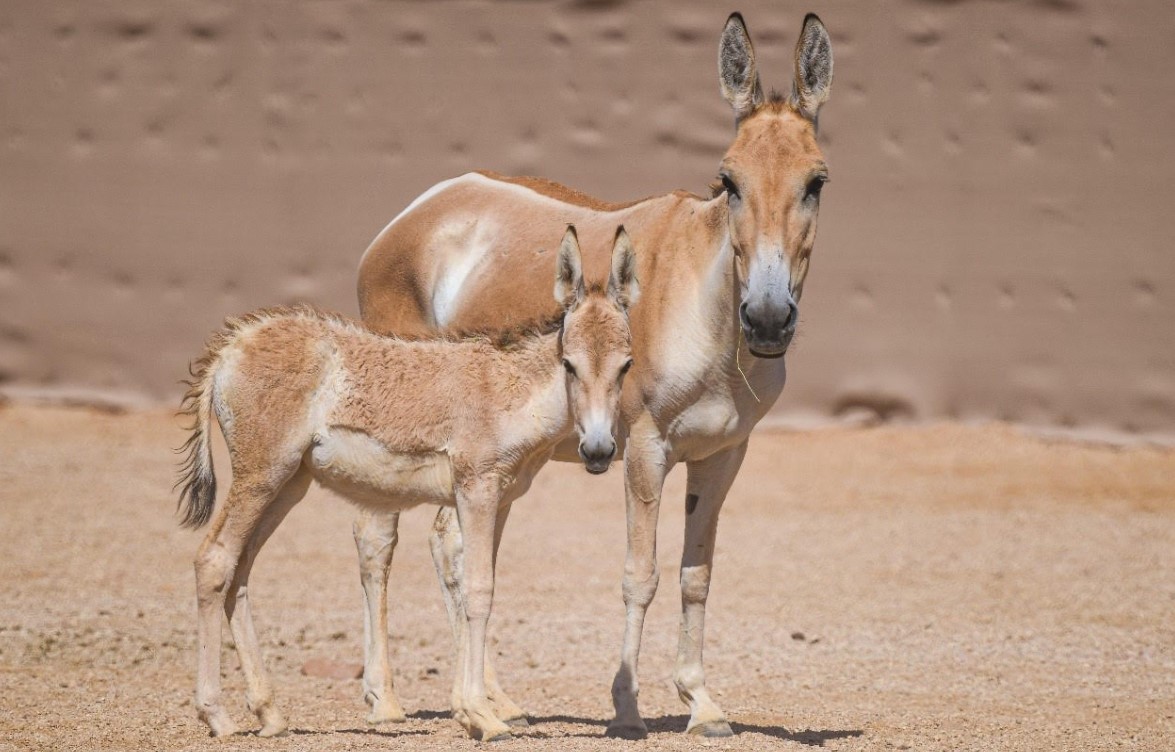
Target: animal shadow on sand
x=388 y=733
x=676 y=724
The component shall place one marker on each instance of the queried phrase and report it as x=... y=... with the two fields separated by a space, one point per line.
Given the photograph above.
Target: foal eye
x=568 y=367
x=815 y=185
x=627 y=365
x=729 y=186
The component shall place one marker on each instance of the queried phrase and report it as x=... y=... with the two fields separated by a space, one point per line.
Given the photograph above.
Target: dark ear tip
x=571 y=229
x=735 y=18
x=620 y=231
x=812 y=18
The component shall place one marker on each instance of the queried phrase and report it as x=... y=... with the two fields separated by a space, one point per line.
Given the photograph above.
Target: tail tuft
x=197 y=481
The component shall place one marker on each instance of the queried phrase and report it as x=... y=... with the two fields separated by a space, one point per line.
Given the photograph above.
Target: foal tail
x=197 y=481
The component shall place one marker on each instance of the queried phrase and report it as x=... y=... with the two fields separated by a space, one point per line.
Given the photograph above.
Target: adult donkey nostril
x=790 y=317
x=743 y=318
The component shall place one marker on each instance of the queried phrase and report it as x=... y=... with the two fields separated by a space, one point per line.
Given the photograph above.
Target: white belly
x=358 y=467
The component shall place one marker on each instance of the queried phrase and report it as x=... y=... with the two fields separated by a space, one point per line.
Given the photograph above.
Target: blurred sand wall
x=996 y=241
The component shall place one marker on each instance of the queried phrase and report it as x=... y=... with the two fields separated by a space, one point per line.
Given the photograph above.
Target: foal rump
x=197 y=477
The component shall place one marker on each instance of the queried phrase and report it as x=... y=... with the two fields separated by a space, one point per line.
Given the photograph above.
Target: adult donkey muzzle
x=769 y=326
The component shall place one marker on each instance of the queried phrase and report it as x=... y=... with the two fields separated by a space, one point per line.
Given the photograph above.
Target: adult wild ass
x=722 y=277
x=391 y=423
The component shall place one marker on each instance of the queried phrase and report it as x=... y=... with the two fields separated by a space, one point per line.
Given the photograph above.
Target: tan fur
x=697 y=388
x=388 y=423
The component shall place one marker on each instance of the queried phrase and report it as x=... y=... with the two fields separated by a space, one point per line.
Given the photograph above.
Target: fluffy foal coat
x=390 y=423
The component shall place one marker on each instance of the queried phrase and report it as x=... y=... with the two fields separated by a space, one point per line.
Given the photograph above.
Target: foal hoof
x=386 y=714
x=272 y=723
x=496 y=736
x=631 y=733
x=519 y=722
x=712 y=730
x=219 y=723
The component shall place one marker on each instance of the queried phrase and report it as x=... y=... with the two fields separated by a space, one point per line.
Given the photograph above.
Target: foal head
x=772 y=175
x=596 y=344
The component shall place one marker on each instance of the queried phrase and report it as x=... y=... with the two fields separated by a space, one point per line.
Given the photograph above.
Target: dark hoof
x=712 y=730
x=519 y=722
x=631 y=733
x=501 y=737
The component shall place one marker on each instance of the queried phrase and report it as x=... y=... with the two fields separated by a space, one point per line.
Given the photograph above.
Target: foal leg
x=505 y=708
x=259 y=692
x=707 y=484
x=447 y=554
x=376 y=535
x=216 y=563
x=478 y=514
x=645 y=468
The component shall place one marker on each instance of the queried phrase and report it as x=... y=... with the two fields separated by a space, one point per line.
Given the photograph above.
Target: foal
x=388 y=424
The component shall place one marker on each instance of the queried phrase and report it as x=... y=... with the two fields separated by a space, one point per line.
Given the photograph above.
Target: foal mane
x=500 y=339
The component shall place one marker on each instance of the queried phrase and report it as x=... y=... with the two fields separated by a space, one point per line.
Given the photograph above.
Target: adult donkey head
x=772 y=175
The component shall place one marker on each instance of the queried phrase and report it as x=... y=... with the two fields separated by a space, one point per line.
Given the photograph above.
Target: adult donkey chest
x=722 y=280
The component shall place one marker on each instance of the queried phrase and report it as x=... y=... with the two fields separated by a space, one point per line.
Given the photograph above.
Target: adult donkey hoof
x=712 y=730
x=518 y=722
x=631 y=733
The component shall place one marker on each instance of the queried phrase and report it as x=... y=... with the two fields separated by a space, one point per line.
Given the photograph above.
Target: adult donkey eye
x=568 y=367
x=729 y=186
x=627 y=365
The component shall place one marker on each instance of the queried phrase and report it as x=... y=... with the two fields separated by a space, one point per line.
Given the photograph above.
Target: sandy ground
x=908 y=588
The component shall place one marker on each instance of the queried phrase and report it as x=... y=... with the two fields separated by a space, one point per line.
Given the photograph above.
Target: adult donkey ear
x=736 y=68
x=623 y=287
x=813 y=68
x=569 y=289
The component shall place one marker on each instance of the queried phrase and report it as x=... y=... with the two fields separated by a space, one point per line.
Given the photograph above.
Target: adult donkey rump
x=722 y=280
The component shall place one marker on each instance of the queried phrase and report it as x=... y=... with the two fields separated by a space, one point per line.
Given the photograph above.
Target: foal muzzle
x=597 y=456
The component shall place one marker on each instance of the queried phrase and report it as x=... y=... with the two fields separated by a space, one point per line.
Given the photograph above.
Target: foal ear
x=736 y=68
x=623 y=287
x=569 y=288
x=813 y=68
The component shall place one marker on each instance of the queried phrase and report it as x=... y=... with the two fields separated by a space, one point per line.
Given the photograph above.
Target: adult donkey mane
x=723 y=279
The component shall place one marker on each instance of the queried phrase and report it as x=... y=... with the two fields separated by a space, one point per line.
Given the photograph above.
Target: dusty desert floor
x=895 y=588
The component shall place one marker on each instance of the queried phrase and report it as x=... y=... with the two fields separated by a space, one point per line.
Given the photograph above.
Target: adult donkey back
x=722 y=278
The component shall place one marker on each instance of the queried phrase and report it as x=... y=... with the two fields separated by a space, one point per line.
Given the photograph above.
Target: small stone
x=797 y=636
x=325 y=668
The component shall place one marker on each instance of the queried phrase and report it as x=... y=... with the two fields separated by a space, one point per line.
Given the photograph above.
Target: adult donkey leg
x=645 y=468
x=376 y=534
x=446 y=545
x=707 y=484
x=259 y=693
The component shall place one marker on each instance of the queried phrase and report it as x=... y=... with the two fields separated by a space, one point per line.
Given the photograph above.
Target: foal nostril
x=597 y=453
